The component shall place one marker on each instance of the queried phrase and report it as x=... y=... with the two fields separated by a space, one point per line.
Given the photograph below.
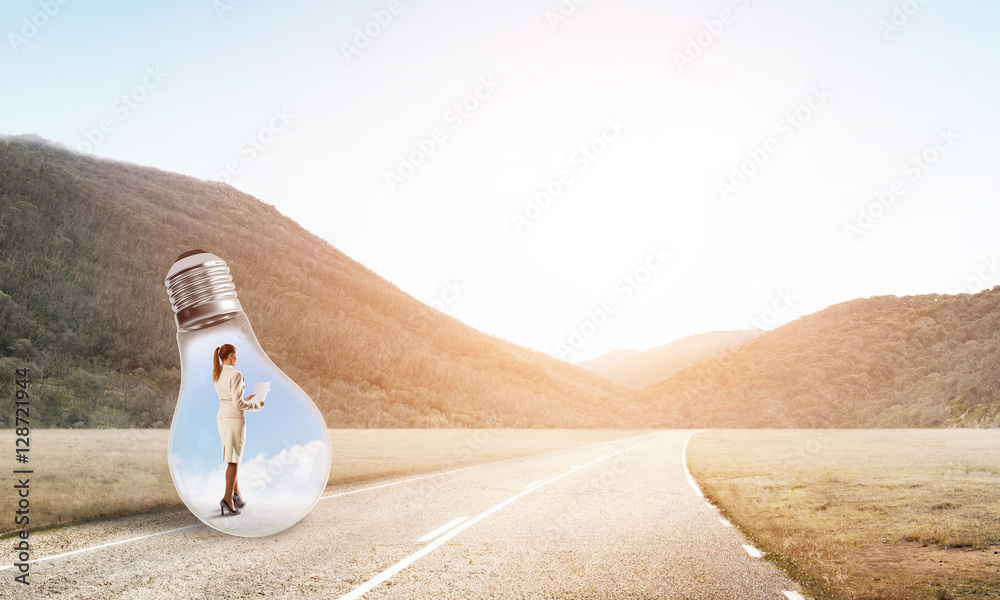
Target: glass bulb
x=286 y=457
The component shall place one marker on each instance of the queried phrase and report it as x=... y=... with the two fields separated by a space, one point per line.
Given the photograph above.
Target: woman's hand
x=262 y=404
x=250 y=397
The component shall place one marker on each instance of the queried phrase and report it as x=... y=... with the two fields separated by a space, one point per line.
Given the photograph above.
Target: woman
x=231 y=421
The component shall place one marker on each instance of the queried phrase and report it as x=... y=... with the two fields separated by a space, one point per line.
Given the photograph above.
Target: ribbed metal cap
x=201 y=291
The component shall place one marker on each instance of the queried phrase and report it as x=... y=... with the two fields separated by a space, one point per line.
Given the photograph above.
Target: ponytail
x=221 y=353
x=216 y=366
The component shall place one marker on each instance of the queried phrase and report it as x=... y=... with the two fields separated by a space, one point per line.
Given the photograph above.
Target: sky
x=574 y=176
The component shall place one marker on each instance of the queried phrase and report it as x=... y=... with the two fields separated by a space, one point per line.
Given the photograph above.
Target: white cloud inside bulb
x=281 y=478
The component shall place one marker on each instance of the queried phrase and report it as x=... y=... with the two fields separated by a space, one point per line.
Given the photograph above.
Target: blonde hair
x=222 y=353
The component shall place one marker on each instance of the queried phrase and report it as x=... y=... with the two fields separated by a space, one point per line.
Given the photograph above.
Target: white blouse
x=230 y=388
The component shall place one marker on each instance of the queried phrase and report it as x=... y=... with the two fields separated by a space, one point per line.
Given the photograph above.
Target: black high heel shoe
x=225 y=507
x=237 y=501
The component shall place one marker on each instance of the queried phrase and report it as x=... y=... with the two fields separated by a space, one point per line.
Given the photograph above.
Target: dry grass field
x=84 y=474
x=864 y=514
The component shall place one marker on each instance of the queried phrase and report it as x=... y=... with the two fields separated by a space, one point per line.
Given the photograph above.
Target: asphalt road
x=614 y=520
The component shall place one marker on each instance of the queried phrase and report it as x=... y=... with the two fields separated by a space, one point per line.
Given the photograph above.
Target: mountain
x=607 y=359
x=85 y=244
x=644 y=368
x=885 y=361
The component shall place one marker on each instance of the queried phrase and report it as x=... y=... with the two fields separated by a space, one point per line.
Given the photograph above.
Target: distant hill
x=886 y=361
x=607 y=359
x=86 y=244
x=639 y=369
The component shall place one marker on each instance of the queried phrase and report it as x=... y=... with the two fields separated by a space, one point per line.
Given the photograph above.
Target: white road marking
x=793 y=595
x=366 y=587
x=684 y=460
x=430 y=536
x=374 y=487
x=105 y=545
x=709 y=504
x=752 y=551
x=532 y=484
x=725 y=522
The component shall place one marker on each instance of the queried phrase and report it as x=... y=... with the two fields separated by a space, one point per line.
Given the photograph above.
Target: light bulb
x=286 y=456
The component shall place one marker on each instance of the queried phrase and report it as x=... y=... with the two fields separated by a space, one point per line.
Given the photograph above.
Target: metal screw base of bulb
x=201 y=291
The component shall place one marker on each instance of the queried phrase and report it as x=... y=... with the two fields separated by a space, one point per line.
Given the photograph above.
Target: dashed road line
x=366 y=587
x=749 y=549
x=440 y=530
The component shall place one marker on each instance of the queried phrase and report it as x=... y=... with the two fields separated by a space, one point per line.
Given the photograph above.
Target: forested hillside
x=85 y=245
x=915 y=361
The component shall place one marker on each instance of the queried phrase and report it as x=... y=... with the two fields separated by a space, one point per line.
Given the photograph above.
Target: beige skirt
x=233 y=433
